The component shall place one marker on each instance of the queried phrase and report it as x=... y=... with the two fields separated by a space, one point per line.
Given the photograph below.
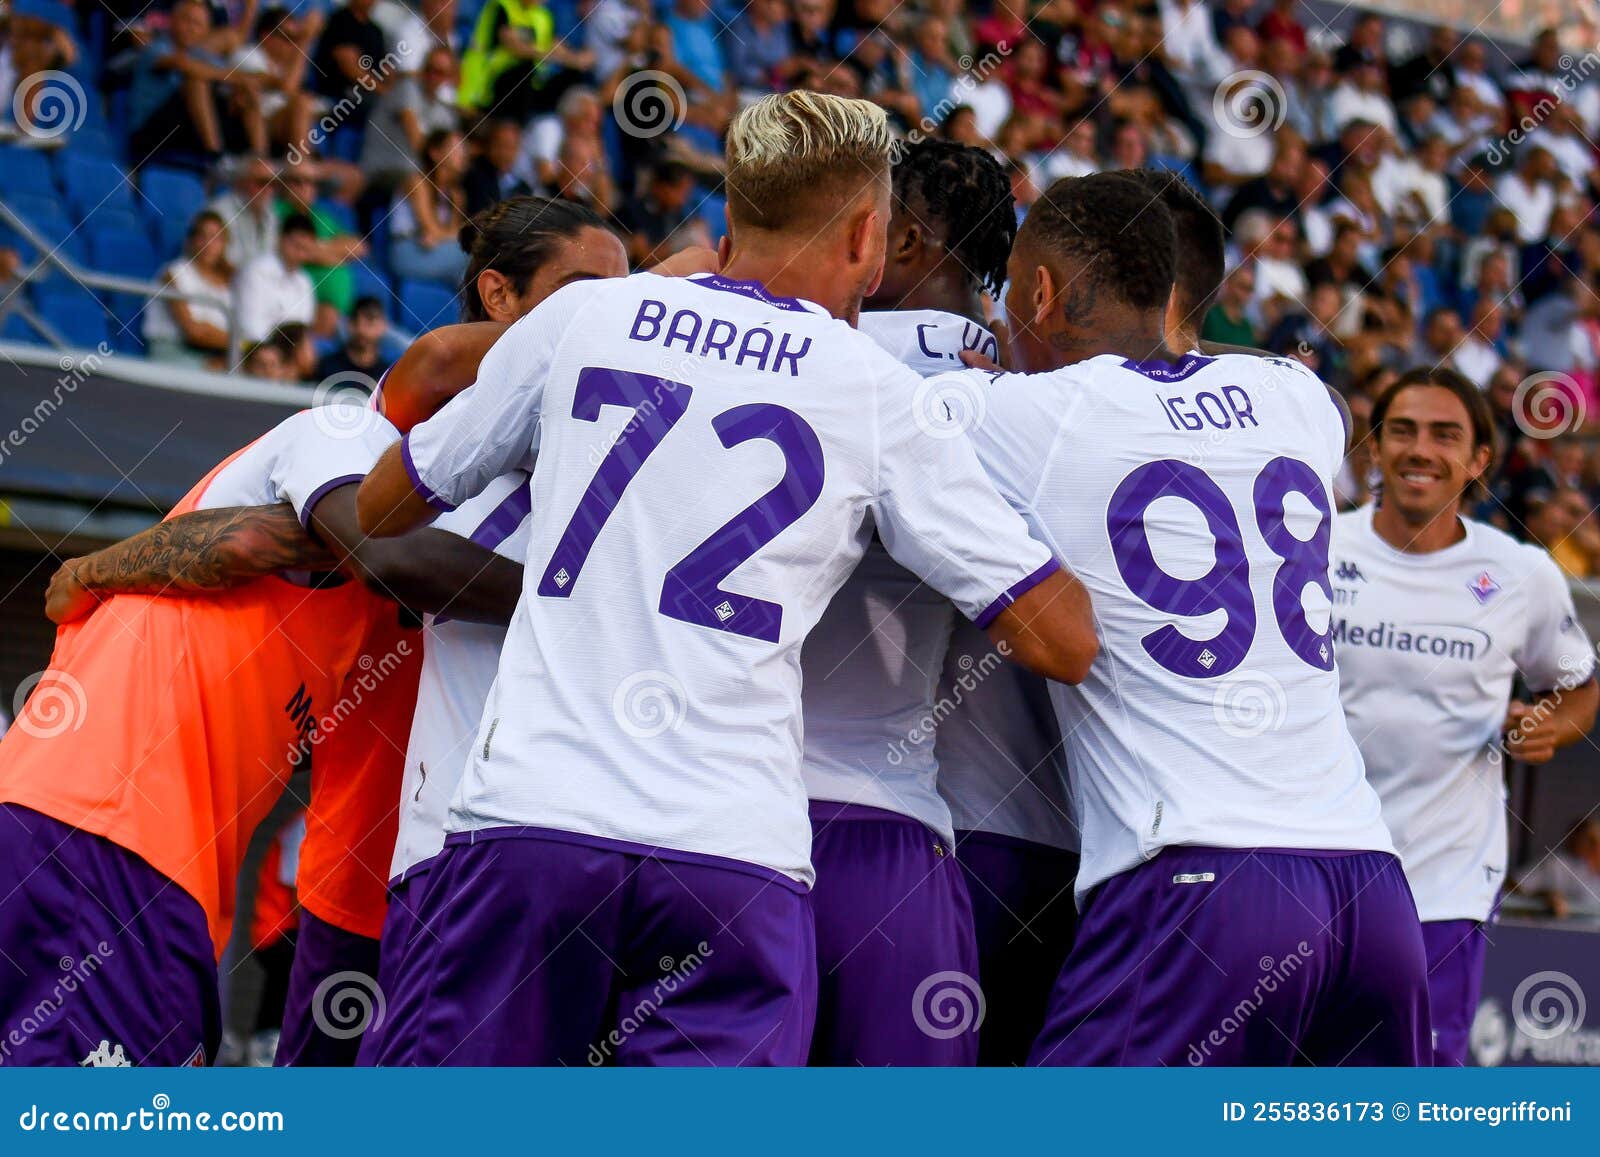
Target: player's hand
x=1002 y=356
x=1527 y=738
x=68 y=599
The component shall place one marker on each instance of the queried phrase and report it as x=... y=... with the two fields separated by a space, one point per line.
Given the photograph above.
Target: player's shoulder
x=1520 y=559
x=336 y=420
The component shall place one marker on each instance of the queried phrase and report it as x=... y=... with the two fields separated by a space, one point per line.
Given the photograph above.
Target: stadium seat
x=171 y=198
x=370 y=282
x=127 y=254
x=50 y=220
x=25 y=170
x=14 y=328
x=93 y=182
x=425 y=306
x=74 y=313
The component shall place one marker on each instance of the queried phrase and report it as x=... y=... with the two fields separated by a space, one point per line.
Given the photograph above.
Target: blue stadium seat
x=127 y=328
x=48 y=219
x=128 y=254
x=370 y=282
x=26 y=171
x=97 y=142
x=118 y=220
x=74 y=313
x=342 y=215
x=93 y=182
x=172 y=197
x=425 y=306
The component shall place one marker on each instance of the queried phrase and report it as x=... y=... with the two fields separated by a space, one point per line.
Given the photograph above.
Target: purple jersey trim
x=748 y=289
x=1168 y=371
x=321 y=492
x=417 y=483
x=1014 y=592
x=627 y=848
x=502 y=522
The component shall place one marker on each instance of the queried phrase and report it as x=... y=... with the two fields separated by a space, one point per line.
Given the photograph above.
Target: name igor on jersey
x=1428 y=647
x=1193 y=500
x=459 y=660
x=872 y=664
x=708 y=457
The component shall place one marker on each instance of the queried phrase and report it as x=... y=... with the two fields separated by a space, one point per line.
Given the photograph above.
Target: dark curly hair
x=1108 y=224
x=962 y=195
x=514 y=237
x=1201 y=262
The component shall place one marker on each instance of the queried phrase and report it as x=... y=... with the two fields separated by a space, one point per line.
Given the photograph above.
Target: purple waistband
x=628 y=848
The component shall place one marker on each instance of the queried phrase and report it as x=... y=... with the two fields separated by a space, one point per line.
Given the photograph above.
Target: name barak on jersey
x=695 y=335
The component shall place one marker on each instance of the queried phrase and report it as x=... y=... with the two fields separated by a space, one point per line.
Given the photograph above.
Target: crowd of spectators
x=1394 y=194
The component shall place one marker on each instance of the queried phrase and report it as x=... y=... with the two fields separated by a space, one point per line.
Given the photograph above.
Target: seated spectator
x=577 y=114
x=1568 y=880
x=250 y=209
x=1363 y=95
x=1529 y=191
x=428 y=214
x=186 y=100
x=582 y=176
x=492 y=177
x=194 y=332
x=607 y=29
x=359 y=359
x=812 y=33
x=34 y=44
x=759 y=44
x=278 y=57
x=1274 y=190
x=265 y=359
x=404 y=115
x=352 y=63
x=329 y=262
x=1228 y=322
x=275 y=287
x=1562 y=522
x=658 y=212
x=514 y=65
x=293 y=339
x=933 y=71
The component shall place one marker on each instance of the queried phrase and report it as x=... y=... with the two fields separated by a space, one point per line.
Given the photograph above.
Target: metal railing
x=50 y=257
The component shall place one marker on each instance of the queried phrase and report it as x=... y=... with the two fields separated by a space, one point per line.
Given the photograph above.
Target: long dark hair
x=514 y=238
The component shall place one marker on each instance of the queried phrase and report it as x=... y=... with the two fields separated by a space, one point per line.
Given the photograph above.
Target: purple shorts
x=544 y=947
x=1024 y=916
x=1229 y=956
x=400 y=925
x=334 y=998
x=103 y=960
x=897 y=965
x=1455 y=978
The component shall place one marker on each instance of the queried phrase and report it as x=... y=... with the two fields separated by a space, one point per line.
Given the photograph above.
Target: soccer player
x=162 y=734
x=628 y=856
x=892 y=910
x=1200 y=258
x=1226 y=863
x=1435 y=616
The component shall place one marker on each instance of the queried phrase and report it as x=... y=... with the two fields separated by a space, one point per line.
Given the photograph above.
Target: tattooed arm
x=204 y=550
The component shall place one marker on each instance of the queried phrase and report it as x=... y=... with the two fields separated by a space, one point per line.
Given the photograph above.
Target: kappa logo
x=1349 y=572
x=1484 y=587
x=106 y=1056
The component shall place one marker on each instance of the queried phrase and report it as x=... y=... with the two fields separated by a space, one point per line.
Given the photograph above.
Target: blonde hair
x=795 y=157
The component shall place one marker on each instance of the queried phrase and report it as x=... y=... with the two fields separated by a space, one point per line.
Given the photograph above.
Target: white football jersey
x=872 y=663
x=459 y=660
x=1428 y=647
x=302 y=458
x=1192 y=498
x=708 y=457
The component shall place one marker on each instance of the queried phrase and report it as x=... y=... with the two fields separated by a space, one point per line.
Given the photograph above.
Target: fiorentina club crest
x=1483 y=587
